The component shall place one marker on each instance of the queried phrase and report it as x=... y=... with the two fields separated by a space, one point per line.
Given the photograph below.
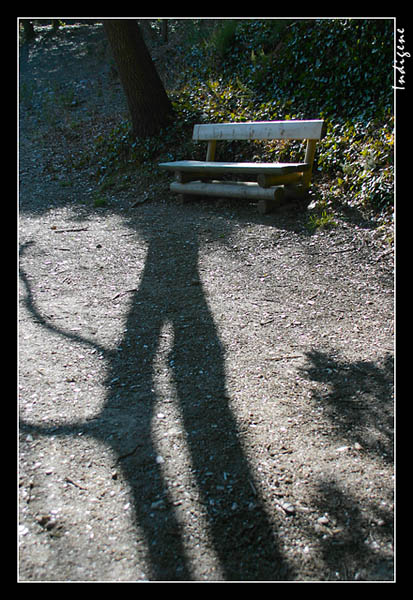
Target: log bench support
x=270 y=184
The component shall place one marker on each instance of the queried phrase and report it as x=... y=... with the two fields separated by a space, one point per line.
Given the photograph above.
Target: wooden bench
x=268 y=183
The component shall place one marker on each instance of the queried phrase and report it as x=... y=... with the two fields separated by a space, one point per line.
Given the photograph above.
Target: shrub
x=275 y=69
x=338 y=66
x=360 y=159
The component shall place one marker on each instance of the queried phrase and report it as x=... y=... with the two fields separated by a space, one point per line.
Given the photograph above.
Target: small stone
x=342 y=449
x=288 y=508
x=323 y=520
x=46 y=521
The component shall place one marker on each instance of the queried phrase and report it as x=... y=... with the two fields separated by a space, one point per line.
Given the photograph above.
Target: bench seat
x=246 y=168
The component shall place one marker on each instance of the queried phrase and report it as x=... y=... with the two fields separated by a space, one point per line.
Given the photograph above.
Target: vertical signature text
x=399 y=61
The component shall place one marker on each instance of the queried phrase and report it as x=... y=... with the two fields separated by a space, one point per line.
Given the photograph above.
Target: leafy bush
x=335 y=69
x=322 y=221
x=359 y=157
x=341 y=67
x=276 y=69
x=223 y=37
x=337 y=66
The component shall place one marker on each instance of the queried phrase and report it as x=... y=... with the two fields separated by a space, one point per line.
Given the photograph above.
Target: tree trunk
x=149 y=105
x=28 y=29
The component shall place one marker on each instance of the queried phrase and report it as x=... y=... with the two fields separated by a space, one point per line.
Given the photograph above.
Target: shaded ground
x=206 y=394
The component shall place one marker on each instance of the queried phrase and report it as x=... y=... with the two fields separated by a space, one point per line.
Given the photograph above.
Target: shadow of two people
x=170 y=291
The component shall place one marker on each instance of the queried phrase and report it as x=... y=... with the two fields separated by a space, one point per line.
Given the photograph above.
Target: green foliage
x=99 y=201
x=276 y=69
x=222 y=37
x=359 y=158
x=340 y=67
x=337 y=66
x=335 y=69
x=323 y=220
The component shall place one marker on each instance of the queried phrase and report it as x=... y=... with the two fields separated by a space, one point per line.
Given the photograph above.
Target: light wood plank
x=309 y=158
x=246 y=168
x=259 y=130
x=228 y=189
x=210 y=155
x=269 y=180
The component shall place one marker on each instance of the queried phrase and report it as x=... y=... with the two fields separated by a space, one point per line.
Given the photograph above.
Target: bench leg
x=186 y=198
x=295 y=196
x=269 y=205
x=299 y=194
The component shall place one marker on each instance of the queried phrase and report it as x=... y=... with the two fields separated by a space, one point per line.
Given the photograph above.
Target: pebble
x=342 y=449
x=288 y=508
x=46 y=521
x=323 y=520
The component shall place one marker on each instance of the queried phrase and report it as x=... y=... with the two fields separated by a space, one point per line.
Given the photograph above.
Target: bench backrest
x=259 y=130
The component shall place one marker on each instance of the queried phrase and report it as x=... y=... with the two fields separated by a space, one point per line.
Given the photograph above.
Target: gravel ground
x=206 y=394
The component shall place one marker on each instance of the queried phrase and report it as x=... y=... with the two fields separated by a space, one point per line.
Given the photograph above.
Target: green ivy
x=359 y=158
x=339 y=70
x=336 y=69
x=338 y=66
x=341 y=67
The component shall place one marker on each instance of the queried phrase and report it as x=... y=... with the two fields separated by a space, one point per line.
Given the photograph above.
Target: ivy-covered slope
x=339 y=70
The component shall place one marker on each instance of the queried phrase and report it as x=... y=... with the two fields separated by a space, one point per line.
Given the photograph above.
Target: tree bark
x=149 y=106
x=28 y=29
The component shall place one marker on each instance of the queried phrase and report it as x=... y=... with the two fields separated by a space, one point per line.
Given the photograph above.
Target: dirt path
x=205 y=394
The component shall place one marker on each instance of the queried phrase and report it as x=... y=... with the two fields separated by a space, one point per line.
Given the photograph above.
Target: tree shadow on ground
x=170 y=293
x=354 y=544
x=358 y=399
